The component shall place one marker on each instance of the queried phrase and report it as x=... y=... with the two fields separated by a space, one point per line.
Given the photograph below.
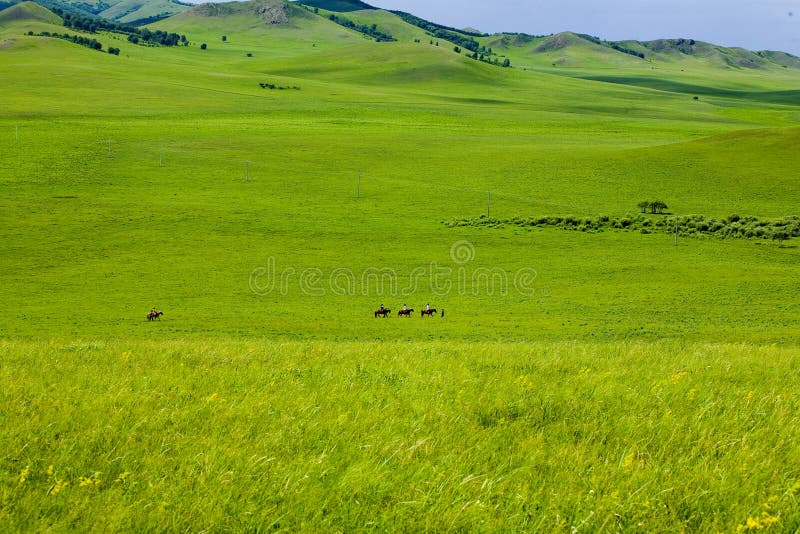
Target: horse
x=153 y=315
x=430 y=312
x=383 y=312
x=406 y=313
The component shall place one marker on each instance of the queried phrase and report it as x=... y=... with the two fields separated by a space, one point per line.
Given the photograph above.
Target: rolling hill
x=28 y=12
x=568 y=49
x=125 y=11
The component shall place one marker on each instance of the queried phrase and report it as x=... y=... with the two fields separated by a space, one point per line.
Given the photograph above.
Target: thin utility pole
x=358 y=186
x=109 y=148
x=247 y=170
x=488 y=204
x=676 y=230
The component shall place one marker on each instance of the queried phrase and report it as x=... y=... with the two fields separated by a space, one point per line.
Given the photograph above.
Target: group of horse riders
x=405 y=310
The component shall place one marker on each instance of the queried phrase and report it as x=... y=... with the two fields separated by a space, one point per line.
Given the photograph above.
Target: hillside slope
x=28 y=12
x=568 y=49
x=272 y=27
x=127 y=11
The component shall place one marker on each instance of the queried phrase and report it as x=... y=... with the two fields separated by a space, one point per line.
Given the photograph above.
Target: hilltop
x=569 y=49
x=268 y=11
x=126 y=11
x=28 y=12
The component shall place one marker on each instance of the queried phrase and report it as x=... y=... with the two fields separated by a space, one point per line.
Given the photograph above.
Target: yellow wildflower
x=23 y=476
x=758 y=523
x=772 y=500
x=677 y=377
x=58 y=486
x=93 y=480
x=50 y=470
x=627 y=462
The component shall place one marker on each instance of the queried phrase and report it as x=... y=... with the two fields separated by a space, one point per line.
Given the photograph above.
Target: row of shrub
x=88 y=42
x=457 y=37
x=265 y=85
x=733 y=226
x=368 y=30
x=431 y=26
x=481 y=57
x=94 y=24
x=491 y=61
x=612 y=44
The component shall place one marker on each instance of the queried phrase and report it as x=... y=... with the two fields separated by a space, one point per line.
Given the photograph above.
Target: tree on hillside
x=780 y=236
x=655 y=206
x=506 y=62
x=224 y=38
x=658 y=206
x=203 y=46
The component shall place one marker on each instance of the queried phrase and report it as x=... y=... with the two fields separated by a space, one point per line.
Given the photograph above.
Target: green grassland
x=95 y=240
x=596 y=380
x=440 y=436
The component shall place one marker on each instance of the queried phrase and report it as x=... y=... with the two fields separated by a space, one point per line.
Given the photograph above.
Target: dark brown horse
x=384 y=312
x=405 y=313
x=153 y=315
x=430 y=312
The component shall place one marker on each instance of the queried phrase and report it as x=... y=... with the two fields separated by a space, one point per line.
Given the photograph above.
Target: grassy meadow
x=424 y=436
x=598 y=381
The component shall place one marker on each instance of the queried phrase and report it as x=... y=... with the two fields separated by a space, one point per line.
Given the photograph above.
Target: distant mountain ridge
x=562 y=49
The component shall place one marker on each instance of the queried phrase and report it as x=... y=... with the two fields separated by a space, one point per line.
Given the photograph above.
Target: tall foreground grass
x=249 y=435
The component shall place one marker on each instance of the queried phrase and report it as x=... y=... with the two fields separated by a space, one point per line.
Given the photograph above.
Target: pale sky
x=754 y=24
